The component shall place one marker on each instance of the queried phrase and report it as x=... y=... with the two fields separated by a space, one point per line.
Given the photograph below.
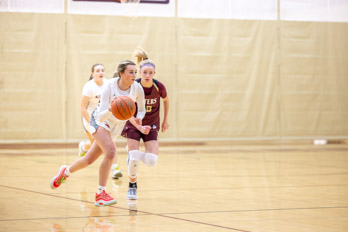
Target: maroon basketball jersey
x=153 y=97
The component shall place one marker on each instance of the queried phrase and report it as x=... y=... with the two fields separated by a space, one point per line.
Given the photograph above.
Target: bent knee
x=110 y=153
x=150 y=159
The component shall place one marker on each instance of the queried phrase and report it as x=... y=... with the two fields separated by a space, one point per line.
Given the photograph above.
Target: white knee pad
x=133 y=163
x=150 y=159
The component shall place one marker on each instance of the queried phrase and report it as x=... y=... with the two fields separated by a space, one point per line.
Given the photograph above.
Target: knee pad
x=133 y=163
x=150 y=159
x=135 y=155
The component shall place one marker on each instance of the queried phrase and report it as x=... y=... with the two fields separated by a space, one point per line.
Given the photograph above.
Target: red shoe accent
x=60 y=178
x=104 y=199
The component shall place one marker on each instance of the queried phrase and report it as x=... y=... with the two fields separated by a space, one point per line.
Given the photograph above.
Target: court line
x=263 y=210
x=231 y=188
x=144 y=212
x=250 y=187
x=66 y=218
x=250 y=150
x=165 y=215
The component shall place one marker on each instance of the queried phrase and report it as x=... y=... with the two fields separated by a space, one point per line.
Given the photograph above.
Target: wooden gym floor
x=195 y=187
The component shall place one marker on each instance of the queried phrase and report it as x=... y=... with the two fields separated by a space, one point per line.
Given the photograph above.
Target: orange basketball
x=123 y=107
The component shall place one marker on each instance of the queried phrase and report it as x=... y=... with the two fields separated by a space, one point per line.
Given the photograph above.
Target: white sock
x=86 y=143
x=67 y=172
x=114 y=167
x=83 y=146
x=101 y=188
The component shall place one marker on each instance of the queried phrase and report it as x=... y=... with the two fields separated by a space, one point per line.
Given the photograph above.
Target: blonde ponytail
x=140 y=54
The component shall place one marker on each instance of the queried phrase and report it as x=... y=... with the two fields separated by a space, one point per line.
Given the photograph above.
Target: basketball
x=123 y=107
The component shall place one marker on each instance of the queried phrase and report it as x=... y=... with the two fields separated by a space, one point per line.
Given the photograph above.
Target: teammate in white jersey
x=103 y=126
x=89 y=101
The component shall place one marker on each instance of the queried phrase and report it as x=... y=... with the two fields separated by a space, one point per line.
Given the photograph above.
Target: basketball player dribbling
x=89 y=101
x=154 y=91
x=103 y=126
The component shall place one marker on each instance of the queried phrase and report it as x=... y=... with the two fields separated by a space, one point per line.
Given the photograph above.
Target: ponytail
x=140 y=54
x=143 y=58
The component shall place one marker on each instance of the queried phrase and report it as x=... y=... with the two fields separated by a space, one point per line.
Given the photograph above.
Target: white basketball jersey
x=111 y=90
x=93 y=92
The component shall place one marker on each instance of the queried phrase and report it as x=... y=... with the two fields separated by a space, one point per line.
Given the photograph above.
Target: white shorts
x=115 y=128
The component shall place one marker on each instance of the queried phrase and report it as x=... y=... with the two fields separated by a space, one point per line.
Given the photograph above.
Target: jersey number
x=148 y=108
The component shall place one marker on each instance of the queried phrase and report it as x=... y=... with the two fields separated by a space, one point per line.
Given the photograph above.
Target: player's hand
x=164 y=126
x=145 y=129
x=138 y=121
x=111 y=104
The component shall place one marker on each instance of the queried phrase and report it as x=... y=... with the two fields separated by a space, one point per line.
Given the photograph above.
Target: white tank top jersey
x=93 y=92
x=111 y=90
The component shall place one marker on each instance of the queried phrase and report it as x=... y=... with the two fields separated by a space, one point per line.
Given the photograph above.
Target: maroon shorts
x=131 y=133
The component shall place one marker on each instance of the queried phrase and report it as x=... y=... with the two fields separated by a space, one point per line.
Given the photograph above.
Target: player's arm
x=165 y=124
x=165 y=99
x=137 y=122
x=83 y=107
x=104 y=105
x=141 y=103
x=143 y=129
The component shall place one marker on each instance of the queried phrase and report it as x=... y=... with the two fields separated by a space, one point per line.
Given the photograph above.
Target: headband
x=149 y=64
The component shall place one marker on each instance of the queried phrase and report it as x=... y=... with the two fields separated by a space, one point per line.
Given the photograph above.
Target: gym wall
x=275 y=76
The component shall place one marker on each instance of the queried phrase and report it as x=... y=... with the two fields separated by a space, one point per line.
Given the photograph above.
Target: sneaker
x=60 y=178
x=104 y=199
x=116 y=174
x=132 y=194
x=82 y=152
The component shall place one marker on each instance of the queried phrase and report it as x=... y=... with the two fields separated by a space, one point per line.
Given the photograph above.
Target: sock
x=101 y=188
x=133 y=185
x=84 y=148
x=87 y=143
x=67 y=172
x=115 y=167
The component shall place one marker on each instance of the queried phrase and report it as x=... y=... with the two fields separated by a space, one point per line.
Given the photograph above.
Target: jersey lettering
x=150 y=101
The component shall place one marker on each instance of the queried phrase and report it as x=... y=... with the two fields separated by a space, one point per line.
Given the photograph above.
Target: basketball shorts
x=132 y=133
x=114 y=127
